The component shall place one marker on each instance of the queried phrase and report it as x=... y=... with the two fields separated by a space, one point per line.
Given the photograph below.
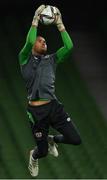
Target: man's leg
x=62 y=122
x=41 y=149
x=69 y=134
x=40 y=128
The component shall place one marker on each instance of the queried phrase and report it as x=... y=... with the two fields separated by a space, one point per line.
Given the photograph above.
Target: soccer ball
x=48 y=15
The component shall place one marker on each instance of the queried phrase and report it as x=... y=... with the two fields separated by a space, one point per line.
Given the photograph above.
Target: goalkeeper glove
x=36 y=17
x=58 y=21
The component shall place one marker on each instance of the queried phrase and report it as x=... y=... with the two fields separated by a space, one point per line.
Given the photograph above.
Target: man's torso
x=39 y=76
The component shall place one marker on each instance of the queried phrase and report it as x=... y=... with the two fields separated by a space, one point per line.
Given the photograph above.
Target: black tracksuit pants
x=54 y=115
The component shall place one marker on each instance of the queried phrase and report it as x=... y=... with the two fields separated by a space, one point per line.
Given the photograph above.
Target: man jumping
x=44 y=109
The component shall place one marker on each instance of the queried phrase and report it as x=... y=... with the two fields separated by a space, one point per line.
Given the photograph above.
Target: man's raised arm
x=64 y=51
x=31 y=37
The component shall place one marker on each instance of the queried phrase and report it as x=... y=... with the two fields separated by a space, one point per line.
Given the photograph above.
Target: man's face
x=40 y=46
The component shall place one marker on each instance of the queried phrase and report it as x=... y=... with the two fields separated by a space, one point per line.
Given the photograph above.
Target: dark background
x=82 y=15
x=81 y=86
x=85 y=15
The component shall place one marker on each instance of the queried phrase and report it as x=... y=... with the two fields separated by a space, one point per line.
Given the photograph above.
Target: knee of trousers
x=78 y=141
x=75 y=141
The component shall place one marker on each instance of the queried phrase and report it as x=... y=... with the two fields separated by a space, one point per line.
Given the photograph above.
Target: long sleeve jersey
x=39 y=71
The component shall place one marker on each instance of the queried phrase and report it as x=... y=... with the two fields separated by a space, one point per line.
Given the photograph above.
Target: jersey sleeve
x=26 y=50
x=64 y=51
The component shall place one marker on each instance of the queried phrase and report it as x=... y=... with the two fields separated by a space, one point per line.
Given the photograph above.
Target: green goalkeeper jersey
x=39 y=71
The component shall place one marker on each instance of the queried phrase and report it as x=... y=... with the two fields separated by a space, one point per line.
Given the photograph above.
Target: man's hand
x=37 y=15
x=58 y=21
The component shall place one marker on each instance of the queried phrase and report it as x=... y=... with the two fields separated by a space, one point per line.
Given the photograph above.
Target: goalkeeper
x=44 y=109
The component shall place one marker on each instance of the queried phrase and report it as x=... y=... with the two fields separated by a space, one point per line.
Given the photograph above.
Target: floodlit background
x=81 y=85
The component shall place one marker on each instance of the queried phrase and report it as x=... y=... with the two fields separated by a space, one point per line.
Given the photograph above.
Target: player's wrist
x=61 y=27
x=35 y=23
x=35 y=20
